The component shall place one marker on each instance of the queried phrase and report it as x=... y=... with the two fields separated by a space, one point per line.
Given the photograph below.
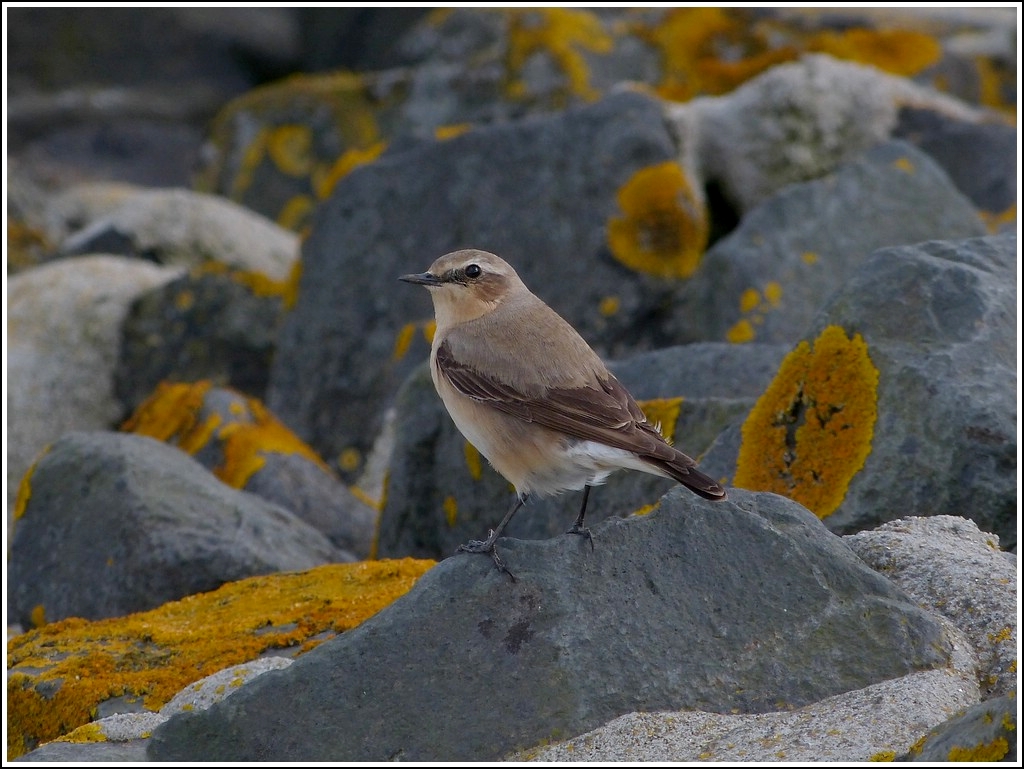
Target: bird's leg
x=578 y=528
x=487 y=546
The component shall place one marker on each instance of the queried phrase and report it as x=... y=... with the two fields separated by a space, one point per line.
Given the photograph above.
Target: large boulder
x=748 y=605
x=111 y=524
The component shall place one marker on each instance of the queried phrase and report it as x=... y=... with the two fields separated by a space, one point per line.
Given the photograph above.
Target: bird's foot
x=476 y=546
x=583 y=532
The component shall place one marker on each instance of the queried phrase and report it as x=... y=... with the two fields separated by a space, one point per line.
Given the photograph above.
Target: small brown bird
x=531 y=395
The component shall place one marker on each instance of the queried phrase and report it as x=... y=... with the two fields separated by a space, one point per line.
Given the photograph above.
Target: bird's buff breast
x=532 y=458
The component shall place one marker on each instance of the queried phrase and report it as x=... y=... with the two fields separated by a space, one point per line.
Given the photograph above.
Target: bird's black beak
x=422 y=278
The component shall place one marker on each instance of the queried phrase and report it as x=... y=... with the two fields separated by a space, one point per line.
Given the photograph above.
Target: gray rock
x=980 y=158
x=940 y=323
x=875 y=723
x=441 y=492
x=199 y=326
x=177 y=226
x=339 y=359
x=768 y=278
x=133 y=752
x=985 y=732
x=800 y=121
x=952 y=569
x=119 y=523
x=248 y=448
x=64 y=332
x=776 y=613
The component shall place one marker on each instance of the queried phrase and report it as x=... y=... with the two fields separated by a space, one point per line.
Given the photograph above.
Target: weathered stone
x=776 y=612
x=115 y=523
x=985 y=732
x=64 y=331
x=768 y=279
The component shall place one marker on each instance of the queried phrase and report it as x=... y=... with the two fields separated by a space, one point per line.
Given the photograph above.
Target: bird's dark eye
x=473 y=271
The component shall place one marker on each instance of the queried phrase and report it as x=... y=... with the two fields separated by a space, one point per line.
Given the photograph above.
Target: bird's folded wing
x=608 y=415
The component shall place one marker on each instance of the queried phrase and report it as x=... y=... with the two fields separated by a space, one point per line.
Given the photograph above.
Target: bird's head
x=466 y=285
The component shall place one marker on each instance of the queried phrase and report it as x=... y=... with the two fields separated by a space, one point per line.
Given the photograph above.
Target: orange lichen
x=473 y=461
x=349 y=459
x=290 y=148
x=445 y=132
x=899 y=51
x=709 y=51
x=176 y=414
x=24 y=493
x=810 y=432
x=296 y=212
x=996 y=221
x=290 y=294
x=402 y=341
x=983 y=751
x=325 y=181
x=609 y=306
x=904 y=164
x=38 y=615
x=561 y=34
x=754 y=307
x=59 y=674
x=451 y=510
x=664 y=413
x=665 y=225
x=885 y=755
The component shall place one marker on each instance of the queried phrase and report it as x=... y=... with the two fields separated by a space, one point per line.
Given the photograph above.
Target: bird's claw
x=583 y=532
x=476 y=546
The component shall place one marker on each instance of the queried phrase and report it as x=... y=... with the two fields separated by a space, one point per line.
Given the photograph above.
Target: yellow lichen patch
x=324 y=183
x=741 y=332
x=809 y=257
x=296 y=212
x=609 y=306
x=885 y=755
x=365 y=498
x=402 y=341
x=349 y=459
x=291 y=287
x=170 y=412
x=451 y=510
x=473 y=461
x=810 y=432
x=429 y=329
x=85 y=733
x=1003 y=635
x=250 y=159
x=997 y=84
x=184 y=300
x=561 y=34
x=155 y=654
x=983 y=751
x=290 y=148
x=38 y=615
x=646 y=509
x=754 y=305
x=996 y=221
x=175 y=414
x=709 y=51
x=665 y=225
x=664 y=413
x=899 y=51
x=445 y=132
x=24 y=493
x=904 y=164
x=258 y=283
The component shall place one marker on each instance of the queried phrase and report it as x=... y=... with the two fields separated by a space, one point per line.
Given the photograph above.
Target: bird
x=528 y=392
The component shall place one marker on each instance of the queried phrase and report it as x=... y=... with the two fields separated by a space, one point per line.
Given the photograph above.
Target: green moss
x=59 y=674
x=810 y=432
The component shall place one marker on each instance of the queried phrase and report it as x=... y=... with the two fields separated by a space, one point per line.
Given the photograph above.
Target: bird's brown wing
x=608 y=415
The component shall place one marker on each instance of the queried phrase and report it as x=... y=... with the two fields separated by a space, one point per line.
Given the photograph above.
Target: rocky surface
x=776 y=613
x=771 y=219
x=114 y=524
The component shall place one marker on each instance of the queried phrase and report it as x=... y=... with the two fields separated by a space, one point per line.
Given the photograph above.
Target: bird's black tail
x=684 y=469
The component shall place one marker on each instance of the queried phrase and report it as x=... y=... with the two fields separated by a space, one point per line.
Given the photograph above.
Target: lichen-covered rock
x=768 y=279
x=109 y=524
x=356 y=332
x=933 y=430
x=950 y=567
x=63 y=336
x=181 y=656
x=776 y=613
x=248 y=448
x=441 y=492
x=985 y=732
x=207 y=324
